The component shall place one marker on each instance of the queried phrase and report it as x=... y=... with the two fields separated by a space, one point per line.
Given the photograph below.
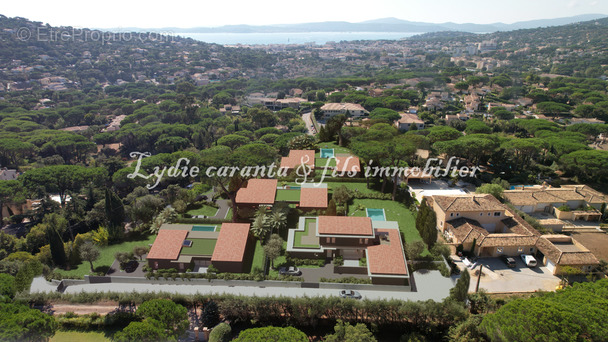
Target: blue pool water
x=376 y=214
x=203 y=228
x=327 y=152
x=293 y=187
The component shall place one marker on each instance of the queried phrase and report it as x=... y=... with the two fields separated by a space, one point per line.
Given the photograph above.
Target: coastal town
x=430 y=188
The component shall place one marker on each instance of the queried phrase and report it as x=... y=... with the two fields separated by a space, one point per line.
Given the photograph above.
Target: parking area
x=498 y=278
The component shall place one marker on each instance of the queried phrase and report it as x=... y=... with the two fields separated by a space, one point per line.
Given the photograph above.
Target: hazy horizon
x=190 y=14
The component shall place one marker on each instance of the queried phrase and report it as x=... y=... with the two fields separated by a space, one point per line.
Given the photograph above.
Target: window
x=531 y=249
x=451 y=214
x=480 y=214
x=520 y=249
x=489 y=214
x=499 y=249
x=333 y=240
x=497 y=213
x=156 y=265
x=457 y=214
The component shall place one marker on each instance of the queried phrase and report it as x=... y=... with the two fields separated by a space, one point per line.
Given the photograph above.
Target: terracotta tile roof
x=347 y=164
x=517 y=232
x=231 y=243
x=168 y=244
x=564 y=250
x=409 y=119
x=530 y=197
x=555 y=195
x=342 y=106
x=387 y=257
x=591 y=195
x=313 y=198
x=297 y=157
x=345 y=225
x=258 y=191
x=477 y=202
x=466 y=230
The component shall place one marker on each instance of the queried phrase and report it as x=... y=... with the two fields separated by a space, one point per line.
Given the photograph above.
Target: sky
x=205 y=13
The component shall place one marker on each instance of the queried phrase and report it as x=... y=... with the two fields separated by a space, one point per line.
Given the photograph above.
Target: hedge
x=94 y=321
x=168 y=275
x=185 y=220
x=346 y=280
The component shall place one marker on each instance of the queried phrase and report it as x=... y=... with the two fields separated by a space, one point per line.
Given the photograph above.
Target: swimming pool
x=376 y=214
x=203 y=228
x=327 y=152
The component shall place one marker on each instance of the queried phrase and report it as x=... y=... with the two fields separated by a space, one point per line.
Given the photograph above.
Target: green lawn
x=79 y=336
x=106 y=257
x=258 y=256
x=288 y=195
x=206 y=210
x=321 y=162
x=228 y=217
x=309 y=224
x=394 y=211
x=360 y=187
x=200 y=247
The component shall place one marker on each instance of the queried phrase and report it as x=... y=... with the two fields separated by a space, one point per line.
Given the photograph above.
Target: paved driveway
x=498 y=278
x=427 y=285
x=309 y=125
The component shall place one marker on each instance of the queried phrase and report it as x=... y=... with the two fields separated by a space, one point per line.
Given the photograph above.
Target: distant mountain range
x=377 y=25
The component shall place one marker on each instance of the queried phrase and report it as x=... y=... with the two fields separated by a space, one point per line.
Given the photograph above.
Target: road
x=430 y=285
x=309 y=125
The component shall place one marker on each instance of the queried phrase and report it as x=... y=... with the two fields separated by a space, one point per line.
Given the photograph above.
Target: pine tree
x=429 y=232
x=461 y=290
x=57 y=249
x=211 y=316
x=421 y=217
x=426 y=222
x=115 y=215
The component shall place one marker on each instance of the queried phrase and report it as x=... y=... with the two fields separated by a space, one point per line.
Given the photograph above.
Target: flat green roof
x=200 y=247
x=288 y=195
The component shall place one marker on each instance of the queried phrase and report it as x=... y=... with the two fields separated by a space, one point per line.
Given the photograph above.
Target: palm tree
x=259 y=228
x=261 y=212
x=277 y=221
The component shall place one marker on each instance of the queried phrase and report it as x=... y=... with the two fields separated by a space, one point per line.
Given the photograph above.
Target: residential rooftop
x=231 y=242
x=564 y=250
x=387 y=257
x=475 y=202
x=345 y=225
x=258 y=191
x=297 y=158
x=313 y=197
x=168 y=244
x=409 y=119
x=532 y=196
x=342 y=106
x=348 y=164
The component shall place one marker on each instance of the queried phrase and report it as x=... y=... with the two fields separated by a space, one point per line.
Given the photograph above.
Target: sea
x=319 y=38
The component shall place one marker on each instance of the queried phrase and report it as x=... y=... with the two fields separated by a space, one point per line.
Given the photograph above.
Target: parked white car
x=528 y=260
